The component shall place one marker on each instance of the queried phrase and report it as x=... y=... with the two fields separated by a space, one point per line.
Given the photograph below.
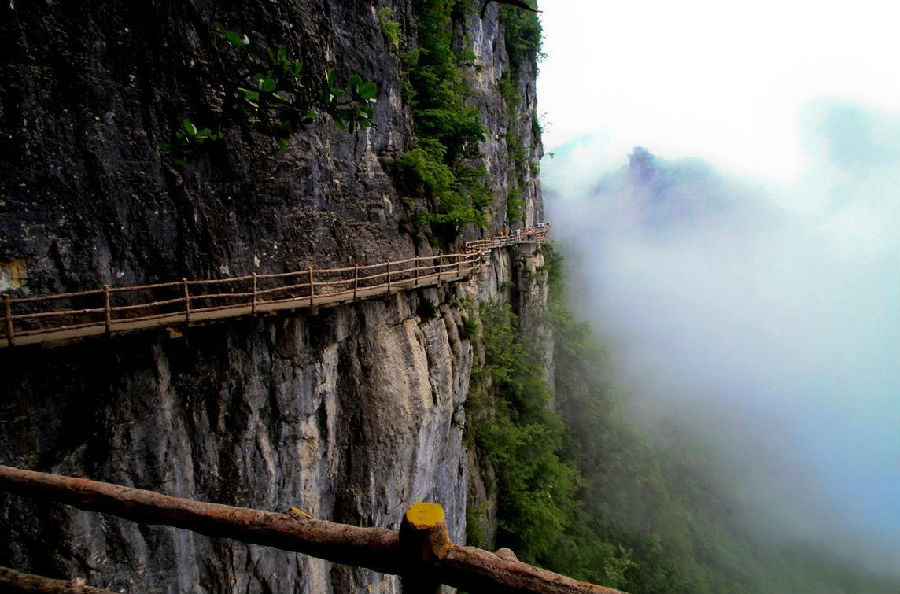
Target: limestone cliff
x=350 y=413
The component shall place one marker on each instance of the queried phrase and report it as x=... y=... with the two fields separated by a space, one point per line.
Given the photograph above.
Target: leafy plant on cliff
x=522 y=36
x=276 y=100
x=187 y=141
x=389 y=27
x=517 y=21
x=521 y=438
x=275 y=97
x=448 y=130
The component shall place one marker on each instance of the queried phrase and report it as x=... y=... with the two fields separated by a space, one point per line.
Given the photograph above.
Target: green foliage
x=448 y=130
x=275 y=100
x=518 y=156
x=389 y=27
x=522 y=440
x=471 y=327
x=515 y=205
x=508 y=85
x=423 y=171
x=522 y=34
x=187 y=141
x=474 y=532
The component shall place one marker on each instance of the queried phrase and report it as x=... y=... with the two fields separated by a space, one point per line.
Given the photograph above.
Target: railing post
x=424 y=542
x=416 y=282
x=439 y=269
x=253 y=303
x=387 y=264
x=355 y=280
x=9 y=323
x=312 y=287
x=107 y=309
x=187 y=301
x=458 y=265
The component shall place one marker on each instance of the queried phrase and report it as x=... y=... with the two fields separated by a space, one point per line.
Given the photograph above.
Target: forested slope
x=584 y=491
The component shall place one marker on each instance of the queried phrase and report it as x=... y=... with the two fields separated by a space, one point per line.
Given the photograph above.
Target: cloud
x=767 y=317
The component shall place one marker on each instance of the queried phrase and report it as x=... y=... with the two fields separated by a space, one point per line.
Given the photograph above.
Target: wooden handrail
x=156 y=305
x=16 y=582
x=422 y=552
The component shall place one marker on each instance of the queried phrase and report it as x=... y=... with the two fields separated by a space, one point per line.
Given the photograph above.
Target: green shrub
x=515 y=205
x=448 y=130
x=470 y=327
x=187 y=141
x=508 y=86
x=522 y=439
x=475 y=536
x=423 y=171
x=522 y=34
x=276 y=100
x=389 y=27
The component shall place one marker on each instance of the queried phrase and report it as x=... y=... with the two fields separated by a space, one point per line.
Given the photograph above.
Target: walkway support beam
x=187 y=301
x=107 y=310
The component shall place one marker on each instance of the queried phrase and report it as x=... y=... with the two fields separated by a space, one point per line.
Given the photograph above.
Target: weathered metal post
x=253 y=303
x=107 y=309
x=424 y=542
x=9 y=322
x=355 y=280
x=312 y=287
x=187 y=301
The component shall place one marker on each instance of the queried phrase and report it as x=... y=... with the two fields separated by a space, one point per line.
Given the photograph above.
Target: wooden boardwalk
x=65 y=317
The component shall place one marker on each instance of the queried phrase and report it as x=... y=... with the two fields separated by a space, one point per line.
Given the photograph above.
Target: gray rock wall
x=351 y=414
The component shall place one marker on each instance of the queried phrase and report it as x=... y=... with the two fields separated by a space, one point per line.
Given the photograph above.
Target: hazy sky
x=722 y=80
x=771 y=311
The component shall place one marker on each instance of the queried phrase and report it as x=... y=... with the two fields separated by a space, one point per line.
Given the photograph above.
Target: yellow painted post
x=312 y=288
x=9 y=322
x=253 y=305
x=187 y=301
x=424 y=542
x=107 y=309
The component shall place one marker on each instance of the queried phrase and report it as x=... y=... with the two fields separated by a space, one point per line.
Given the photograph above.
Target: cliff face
x=351 y=413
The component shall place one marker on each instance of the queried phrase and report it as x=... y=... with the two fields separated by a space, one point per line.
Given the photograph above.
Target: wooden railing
x=112 y=310
x=420 y=552
x=115 y=310
x=529 y=235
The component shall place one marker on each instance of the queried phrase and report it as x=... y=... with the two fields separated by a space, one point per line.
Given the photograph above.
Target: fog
x=763 y=317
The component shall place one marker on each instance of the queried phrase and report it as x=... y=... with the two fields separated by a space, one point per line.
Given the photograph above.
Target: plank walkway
x=64 y=317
